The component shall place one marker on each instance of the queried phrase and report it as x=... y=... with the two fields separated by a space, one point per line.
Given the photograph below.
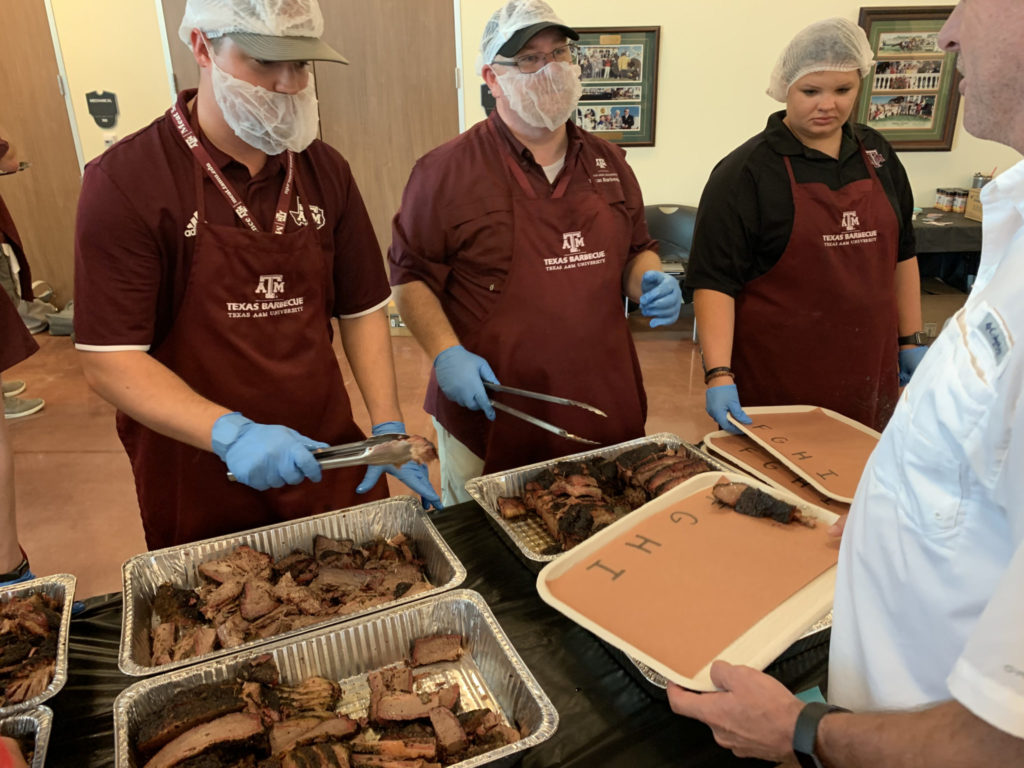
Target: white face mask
x=546 y=98
x=269 y=121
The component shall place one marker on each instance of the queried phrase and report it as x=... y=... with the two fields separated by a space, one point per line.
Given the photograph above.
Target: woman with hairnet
x=803 y=263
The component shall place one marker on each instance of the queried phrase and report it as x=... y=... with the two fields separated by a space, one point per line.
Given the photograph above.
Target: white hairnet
x=513 y=16
x=832 y=45
x=274 y=18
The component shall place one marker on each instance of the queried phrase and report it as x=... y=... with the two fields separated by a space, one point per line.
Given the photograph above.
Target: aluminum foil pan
x=35 y=723
x=490 y=673
x=143 y=574
x=61 y=587
x=529 y=536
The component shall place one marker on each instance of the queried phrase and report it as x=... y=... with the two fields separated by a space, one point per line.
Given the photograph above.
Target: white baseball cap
x=271 y=30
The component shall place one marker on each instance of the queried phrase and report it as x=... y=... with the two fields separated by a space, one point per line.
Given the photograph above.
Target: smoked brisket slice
x=186 y=710
x=429 y=650
x=629 y=460
x=451 y=739
x=754 y=502
x=236 y=728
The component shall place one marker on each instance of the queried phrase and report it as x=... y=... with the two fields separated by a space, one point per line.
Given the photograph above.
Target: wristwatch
x=806 y=732
x=917 y=337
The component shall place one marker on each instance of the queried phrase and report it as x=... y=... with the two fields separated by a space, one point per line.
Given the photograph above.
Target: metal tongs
x=392 y=448
x=548 y=399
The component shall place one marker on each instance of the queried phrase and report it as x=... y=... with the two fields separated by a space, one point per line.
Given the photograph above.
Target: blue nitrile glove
x=722 y=400
x=461 y=376
x=909 y=360
x=661 y=299
x=264 y=456
x=413 y=474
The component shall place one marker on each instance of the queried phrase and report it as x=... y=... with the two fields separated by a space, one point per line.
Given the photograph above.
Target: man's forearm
x=367 y=343
x=424 y=317
x=152 y=394
x=944 y=736
x=908 y=296
x=633 y=274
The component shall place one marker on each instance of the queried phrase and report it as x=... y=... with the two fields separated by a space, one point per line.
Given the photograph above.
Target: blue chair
x=672 y=226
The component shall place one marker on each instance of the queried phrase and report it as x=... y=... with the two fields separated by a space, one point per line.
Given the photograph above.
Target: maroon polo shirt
x=454 y=229
x=9 y=234
x=134 y=235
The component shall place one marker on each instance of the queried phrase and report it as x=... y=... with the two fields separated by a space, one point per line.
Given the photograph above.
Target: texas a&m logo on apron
x=574 y=254
x=271 y=301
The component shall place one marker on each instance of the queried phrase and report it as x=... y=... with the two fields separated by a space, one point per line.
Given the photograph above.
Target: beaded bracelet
x=714 y=373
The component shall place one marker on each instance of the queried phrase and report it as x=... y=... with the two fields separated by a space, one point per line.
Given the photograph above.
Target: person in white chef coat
x=927 y=644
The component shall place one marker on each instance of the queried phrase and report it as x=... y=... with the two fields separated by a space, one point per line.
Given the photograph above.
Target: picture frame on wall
x=912 y=94
x=619 y=70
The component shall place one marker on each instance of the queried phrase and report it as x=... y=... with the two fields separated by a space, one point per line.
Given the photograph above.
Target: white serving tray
x=759 y=645
x=842 y=422
x=811 y=494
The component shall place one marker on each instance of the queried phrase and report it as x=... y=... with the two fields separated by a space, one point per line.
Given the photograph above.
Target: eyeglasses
x=533 y=62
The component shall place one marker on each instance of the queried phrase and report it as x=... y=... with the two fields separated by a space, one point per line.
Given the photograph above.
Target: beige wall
x=714 y=65
x=112 y=45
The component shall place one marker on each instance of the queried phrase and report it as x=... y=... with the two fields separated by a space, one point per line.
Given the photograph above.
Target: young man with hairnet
x=510 y=256
x=213 y=248
x=928 y=634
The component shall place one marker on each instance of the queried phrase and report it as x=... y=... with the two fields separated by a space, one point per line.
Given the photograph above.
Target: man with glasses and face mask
x=213 y=248
x=511 y=253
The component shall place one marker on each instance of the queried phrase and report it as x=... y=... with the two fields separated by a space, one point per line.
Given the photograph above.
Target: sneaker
x=12 y=388
x=42 y=290
x=16 y=407
x=63 y=322
x=34 y=314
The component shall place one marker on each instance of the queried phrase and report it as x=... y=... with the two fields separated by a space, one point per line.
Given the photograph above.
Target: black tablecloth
x=956 y=234
x=606 y=717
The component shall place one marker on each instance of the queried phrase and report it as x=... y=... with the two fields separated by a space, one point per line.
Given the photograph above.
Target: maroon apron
x=252 y=334
x=16 y=343
x=559 y=327
x=820 y=327
x=9 y=234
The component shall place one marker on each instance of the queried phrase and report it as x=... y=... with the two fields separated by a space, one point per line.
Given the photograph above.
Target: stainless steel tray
x=61 y=587
x=529 y=536
x=143 y=574
x=490 y=673
x=35 y=722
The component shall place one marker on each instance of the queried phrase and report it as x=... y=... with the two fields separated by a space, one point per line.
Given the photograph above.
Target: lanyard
x=520 y=177
x=207 y=164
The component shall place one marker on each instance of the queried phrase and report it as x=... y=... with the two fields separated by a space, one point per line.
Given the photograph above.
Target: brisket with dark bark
x=575 y=499
x=238 y=728
x=754 y=502
x=185 y=711
x=256 y=722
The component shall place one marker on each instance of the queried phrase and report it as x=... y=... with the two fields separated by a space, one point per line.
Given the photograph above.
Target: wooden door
x=42 y=199
x=397 y=98
x=183 y=63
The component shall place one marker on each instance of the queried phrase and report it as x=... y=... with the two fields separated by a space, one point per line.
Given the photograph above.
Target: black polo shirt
x=745 y=216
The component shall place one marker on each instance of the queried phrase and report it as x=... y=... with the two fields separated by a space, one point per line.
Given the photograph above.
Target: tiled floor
x=75 y=495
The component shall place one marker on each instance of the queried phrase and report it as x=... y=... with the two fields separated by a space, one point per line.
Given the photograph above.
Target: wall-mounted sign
x=102 y=107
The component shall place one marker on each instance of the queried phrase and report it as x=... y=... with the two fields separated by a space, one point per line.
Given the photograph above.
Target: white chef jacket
x=930 y=591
